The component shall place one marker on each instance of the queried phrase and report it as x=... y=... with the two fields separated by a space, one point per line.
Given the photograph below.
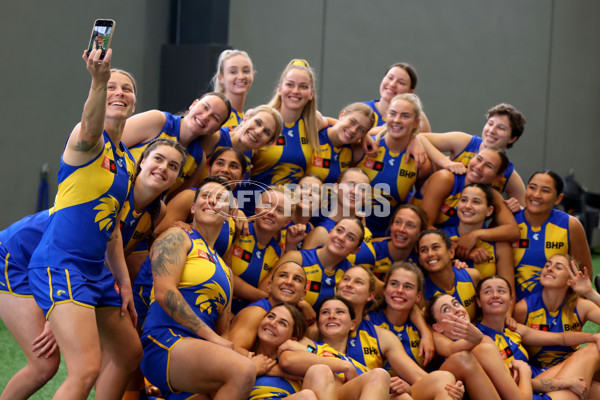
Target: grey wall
x=44 y=82
x=540 y=55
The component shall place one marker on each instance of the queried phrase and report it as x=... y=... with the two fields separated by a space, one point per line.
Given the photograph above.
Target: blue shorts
x=52 y=286
x=142 y=286
x=156 y=361
x=13 y=278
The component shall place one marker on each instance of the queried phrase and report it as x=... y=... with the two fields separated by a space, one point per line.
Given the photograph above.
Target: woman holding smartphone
x=90 y=307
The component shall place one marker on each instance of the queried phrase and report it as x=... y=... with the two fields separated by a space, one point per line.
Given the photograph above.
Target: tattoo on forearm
x=550 y=385
x=113 y=236
x=181 y=311
x=165 y=252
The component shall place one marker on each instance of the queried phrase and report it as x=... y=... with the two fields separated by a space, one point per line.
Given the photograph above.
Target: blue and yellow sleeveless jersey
x=463 y=290
x=85 y=211
x=393 y=179
x=538 y=317
x=535 y=247
x=363 y=345
x=487 y=268
x=274 y=387
x=286 y=160
x=469 y=152
x=447 y=215
x=379 y=119
x=170 y=130
x=408 y=334
x=205 y=284
x=251 y=260
x=235 y=118
x=325 y=350
x=329 y=162
x=320 y=283
x=384 y=260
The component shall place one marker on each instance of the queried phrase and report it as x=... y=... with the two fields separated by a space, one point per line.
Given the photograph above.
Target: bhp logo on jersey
x=554 y=245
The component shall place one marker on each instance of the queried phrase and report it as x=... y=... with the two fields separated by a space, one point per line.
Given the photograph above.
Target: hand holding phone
x=101 y=35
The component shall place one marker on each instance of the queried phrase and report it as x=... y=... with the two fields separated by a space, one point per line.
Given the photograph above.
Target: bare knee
x=379 y=376
x=306 y=394
x=242 y=373
x=43 y=369
x=443 y=378
x=460 y=363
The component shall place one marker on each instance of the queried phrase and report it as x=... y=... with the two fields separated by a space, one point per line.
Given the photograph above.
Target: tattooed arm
x=168 y=256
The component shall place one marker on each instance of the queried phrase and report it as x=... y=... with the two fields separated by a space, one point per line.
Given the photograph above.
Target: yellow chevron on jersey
x=235 y=118
x=325 y=350
x=274 y=387
x=80 y=188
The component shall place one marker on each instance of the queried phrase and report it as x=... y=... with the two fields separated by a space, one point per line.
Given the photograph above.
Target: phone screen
x=101 y=35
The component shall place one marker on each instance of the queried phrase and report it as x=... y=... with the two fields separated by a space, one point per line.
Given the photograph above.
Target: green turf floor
x=12 y=358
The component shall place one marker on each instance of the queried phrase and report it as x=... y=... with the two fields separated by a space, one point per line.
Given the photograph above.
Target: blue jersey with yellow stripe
x=363 y=345
x=320 y=283
x=469 y=152
x=408 y=334
x=463 y=290
x=19 y=240
x=251 y=260
x=286 y=160
x=535 y=247
x=329 y=162
x=509 y=345
x=379 y=119
x=274 y=387
x=134 y=226
x=205 y=284
x=89 y=199
x=366 y=253
x=235 y=118
x=447 y=216
x=392 y=178
x=325 y=350
x=538 y=317
x=171 y=130
x=487 y=268
x=384 y=260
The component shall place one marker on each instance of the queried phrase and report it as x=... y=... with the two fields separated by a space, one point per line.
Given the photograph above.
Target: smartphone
x=101 y=35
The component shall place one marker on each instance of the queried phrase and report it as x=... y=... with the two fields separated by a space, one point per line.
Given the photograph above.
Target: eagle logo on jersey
x=527 y=277
x=210 y=296
x=286 y=173
x=107 y=212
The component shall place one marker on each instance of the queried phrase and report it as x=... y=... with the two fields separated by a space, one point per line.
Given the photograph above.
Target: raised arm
x=86 y=138
x=143 y=127
x=435 y=190
x=578 y=245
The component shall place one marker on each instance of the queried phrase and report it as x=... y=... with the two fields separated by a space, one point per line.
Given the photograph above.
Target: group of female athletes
x=435 y=272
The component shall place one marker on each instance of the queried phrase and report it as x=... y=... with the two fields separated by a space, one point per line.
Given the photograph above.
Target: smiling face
x=344 y=239
x=355 y=287
x=405 y=229
x=352 y=191
x=472 y=206
x=274 y=210
x=541 y=195
x=484 y=167
x=497 y=132
x=555 y=273
x=334 y=320
x=206 y=115
x=237 y=75
x=396 y=81
x=288 y=284
x=160 y=168
x=296 y=89
x=276 y=327
x=258 y=131
x=352 y=126
x=494 y=297
x=120 y=96
x=310 y=194
x=402 y=290
x=434 y=254
x=401 y=119
x=227 y=166
x=212 y=205
x=443 y=306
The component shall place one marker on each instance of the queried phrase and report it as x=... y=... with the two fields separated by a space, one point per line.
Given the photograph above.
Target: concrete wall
x=542 y=56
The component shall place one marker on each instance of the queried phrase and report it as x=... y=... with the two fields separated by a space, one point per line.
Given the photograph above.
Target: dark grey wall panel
x=44 y=81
